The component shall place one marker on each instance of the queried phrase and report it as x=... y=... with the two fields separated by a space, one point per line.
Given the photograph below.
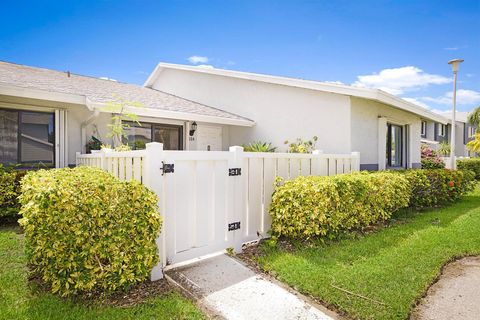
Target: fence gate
x=202 y=202
x=213 y=200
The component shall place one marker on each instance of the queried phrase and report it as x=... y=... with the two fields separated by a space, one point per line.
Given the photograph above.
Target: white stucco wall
x=280 y=112
x=365 y=137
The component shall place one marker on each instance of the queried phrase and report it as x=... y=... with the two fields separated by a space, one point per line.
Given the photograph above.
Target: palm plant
x=474 y=117
x=443 y=148
x=258 y=146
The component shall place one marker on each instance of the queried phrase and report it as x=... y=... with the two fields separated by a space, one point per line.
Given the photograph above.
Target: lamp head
x=455 y=63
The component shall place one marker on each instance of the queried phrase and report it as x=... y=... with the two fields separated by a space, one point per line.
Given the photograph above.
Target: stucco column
x=382 y=142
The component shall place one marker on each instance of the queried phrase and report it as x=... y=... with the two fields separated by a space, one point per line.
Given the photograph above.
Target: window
x=424 y=129
x=471 y=131
x=441 y=129
x=394 y=146
x=27 y=138
x=138 y=135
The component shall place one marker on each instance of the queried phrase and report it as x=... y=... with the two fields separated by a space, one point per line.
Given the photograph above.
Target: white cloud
x=398 y=80
x=205 y=66
x=417 y=102
x=451 y=48
x=464 y=97
x=197 y=59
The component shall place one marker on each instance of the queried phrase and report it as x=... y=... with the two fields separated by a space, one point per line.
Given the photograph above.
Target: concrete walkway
x=456 y=295
x=230 y=290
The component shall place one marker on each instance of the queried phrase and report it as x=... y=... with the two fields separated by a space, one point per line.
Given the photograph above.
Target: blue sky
x=399 y=46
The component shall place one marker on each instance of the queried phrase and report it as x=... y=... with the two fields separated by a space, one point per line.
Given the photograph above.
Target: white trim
x=30 y=93
x=18 y=106
x=159 y=113
x=371 y=94
x=429 y=141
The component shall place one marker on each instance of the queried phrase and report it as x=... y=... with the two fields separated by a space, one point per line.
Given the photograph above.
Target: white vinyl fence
x=212 y=200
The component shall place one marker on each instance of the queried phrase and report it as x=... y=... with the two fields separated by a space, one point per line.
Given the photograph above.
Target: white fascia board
x=30 y=93
x=166 y=114
x=365 y=93
x=399 y=103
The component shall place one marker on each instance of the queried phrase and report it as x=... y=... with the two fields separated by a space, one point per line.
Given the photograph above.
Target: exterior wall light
x=193 y=128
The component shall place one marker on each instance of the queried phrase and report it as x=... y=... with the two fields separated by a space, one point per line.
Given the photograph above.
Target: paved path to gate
x=230 y=290
x=456 y=295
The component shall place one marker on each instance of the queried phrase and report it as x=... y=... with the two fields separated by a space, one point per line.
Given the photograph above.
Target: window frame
x=441 y=130
x=423 y=129
x=389 y=146
x=152 y=130
x=25 y=165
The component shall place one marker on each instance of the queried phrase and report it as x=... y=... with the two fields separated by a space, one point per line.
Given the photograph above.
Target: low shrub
x=87 y=231
x=327 y=206
x=437 y=187
x=472 y=164
x=9 y=191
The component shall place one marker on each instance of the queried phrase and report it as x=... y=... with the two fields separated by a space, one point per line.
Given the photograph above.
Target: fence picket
x=201 y=198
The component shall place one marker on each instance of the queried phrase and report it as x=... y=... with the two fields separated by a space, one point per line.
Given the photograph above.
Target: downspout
x=83 y=129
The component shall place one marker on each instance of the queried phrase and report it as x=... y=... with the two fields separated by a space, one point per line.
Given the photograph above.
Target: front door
x=395 y=146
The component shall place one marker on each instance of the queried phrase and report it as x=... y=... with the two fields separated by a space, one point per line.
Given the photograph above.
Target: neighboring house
x=46 y=116
x=463 y=134
x=385 y=129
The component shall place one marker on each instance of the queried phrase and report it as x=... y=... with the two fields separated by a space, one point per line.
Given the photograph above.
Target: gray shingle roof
x=101 y=91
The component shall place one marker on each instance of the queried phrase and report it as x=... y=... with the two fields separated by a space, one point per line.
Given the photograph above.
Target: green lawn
x=18 y=300
x=393 y=266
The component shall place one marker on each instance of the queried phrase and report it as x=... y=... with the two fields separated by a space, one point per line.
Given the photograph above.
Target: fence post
x=238 y=210
x=154 y=181
x=77 y=155
x=355 y=161
x=316 y=162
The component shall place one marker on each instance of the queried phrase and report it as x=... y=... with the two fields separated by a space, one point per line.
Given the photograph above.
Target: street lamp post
x=455 y=63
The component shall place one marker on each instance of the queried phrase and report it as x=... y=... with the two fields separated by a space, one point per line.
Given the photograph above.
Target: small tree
x=120 y=110
x=443 y=149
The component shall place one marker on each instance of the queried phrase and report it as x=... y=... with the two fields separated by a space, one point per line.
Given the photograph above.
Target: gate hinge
x=234 y=226
x=167 y=168
x=235 y=171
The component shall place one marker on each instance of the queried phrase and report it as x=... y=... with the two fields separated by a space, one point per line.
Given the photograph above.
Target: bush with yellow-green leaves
x=86 y=230
x=327 y=206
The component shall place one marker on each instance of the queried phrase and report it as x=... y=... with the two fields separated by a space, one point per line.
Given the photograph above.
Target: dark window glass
x=394 y=145
x=8 y=136
x=137 y=135
x=170 y=136
x=27 y=137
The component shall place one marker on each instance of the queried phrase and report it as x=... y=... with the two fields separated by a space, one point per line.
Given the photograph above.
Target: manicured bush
x=472 y=164
x=87 y=231
x=438 y=186
x=326 y=206
x=9 y=191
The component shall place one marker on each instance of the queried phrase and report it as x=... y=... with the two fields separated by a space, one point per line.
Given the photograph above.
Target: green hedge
x=327 y=206
x=472 y=164
x=87 y=231
x=437 y=187
x=9 y=191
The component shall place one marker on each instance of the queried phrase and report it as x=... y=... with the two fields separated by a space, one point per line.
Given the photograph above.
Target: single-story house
x=47 y=116
x=434 y=133
x=385 y=129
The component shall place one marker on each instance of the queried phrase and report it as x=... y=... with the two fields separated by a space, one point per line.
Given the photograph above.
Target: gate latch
x=167 y=168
